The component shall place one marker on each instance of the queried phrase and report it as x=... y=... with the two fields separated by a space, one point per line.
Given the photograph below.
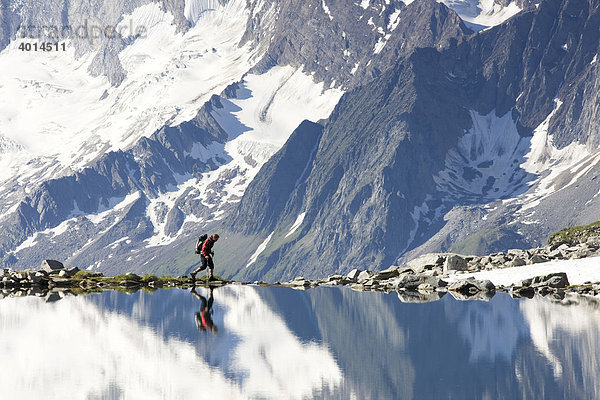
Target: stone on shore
x=353 y=275
x=425 y=262
x=51 y=265
x=391 y=272
x=454 y=262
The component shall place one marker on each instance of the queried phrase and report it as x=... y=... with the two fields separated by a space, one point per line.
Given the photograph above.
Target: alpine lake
x=254 y=342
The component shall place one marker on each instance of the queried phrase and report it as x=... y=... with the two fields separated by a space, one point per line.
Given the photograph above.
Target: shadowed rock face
x=372 y=191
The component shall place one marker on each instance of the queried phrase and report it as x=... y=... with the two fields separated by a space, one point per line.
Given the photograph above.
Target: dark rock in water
x=60 y=282
x=481 y=296
x=52 y=297
x=51 y=265
x=527 y=291
x=129 y=283
x=472 y=286
x=411 y=296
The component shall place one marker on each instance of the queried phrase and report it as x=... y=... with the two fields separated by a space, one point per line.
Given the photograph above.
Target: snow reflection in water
x=284 y=344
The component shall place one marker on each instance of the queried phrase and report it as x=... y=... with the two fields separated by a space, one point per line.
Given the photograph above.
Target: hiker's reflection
x=204 y=320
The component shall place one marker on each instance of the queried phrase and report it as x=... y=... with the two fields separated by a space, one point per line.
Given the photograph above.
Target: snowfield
x=578 y=272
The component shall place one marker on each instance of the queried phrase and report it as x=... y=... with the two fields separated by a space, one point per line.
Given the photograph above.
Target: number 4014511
x=44 y=46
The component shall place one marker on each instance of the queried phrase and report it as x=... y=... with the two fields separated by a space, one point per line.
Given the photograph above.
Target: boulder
x=454 y=262
x=471 y=286
x=388 y=273
x=537 y=258
x=558 y=280
x=409 y=282
x=517 y=262
x=51 y=265
x=364 y=275
x=425 y=262
x=556 y=254
x=353 y=275
x=71 y=271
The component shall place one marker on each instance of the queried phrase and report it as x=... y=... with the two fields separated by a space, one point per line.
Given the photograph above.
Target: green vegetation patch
x=575 y=234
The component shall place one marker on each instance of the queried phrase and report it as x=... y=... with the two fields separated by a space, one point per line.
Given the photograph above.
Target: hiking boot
x=193 y=275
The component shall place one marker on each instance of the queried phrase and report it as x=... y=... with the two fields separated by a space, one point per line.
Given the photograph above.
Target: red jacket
x=207 y=247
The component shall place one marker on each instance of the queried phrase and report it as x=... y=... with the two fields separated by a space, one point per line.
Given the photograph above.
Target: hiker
x=206 y=255
x=203 y=318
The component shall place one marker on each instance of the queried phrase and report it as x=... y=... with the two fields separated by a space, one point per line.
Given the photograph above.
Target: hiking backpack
x=200 y=242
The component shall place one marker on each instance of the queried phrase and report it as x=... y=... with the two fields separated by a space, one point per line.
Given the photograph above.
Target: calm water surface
x=279 y=343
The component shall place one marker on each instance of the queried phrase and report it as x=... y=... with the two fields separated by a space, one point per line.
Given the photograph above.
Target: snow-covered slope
x=482 y=14
x=63 y=118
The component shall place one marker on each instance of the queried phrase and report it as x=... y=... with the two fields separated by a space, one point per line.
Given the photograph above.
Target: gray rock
x=517 y=262
x=537 y=258
x=364 y=275
x=409 y=282
x=556 y=254
x=526 y=282
x=51 y=265
x=425 y=262
x=455 y=262
x=558 y=280
x=353 y=275
x=388 y=273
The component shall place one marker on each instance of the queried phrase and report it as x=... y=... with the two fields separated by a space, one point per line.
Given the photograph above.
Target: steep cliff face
x=473 y=146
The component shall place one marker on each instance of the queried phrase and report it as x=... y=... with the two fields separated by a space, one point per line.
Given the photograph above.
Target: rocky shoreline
x=426 y=278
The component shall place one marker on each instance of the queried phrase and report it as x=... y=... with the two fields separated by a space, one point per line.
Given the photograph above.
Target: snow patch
x=485 y=163
x=482 y=13
x=326 y=9
x=259 y=250
x=297 y=224
x=394 y=20
x=170 y=75
x=578 y=272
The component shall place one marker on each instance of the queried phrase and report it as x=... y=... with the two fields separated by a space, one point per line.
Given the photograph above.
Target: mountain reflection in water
x=279 y=343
